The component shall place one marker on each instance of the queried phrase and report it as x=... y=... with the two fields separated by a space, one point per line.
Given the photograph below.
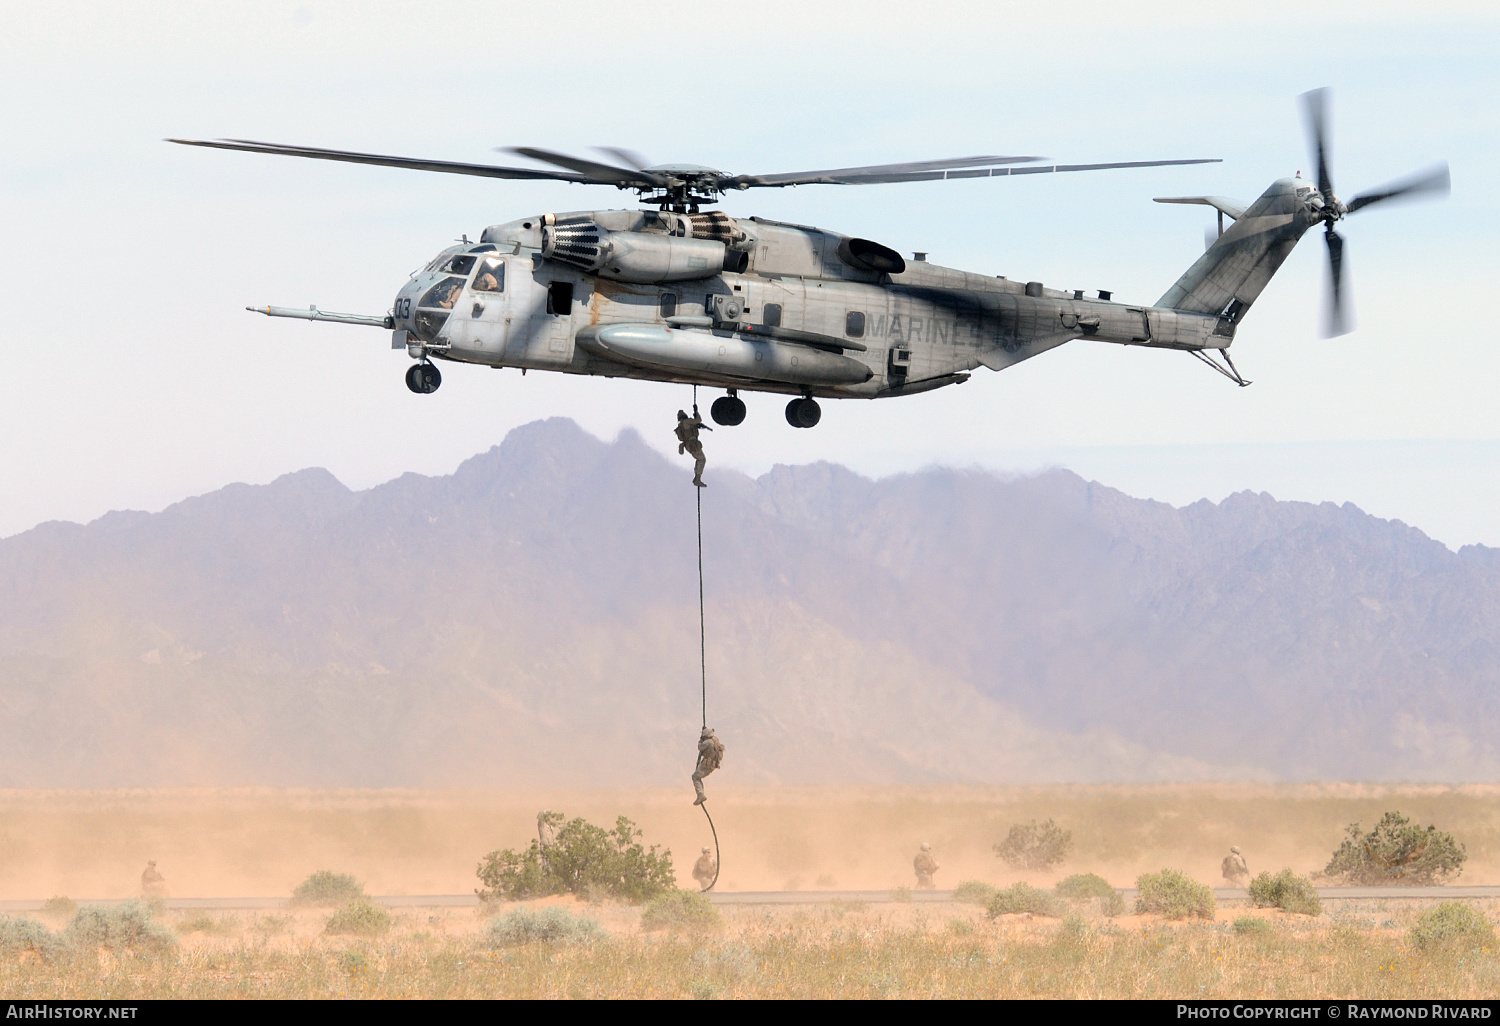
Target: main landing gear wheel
x=423 y=378
x=728 y=410
x=803 y=413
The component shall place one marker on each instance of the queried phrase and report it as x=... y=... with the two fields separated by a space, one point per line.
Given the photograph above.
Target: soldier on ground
x=153 y=884
x=687 y=442
x=710 y=755
x=1234 y=868
x=705 y=869
x=546 y=833
x=926 y=866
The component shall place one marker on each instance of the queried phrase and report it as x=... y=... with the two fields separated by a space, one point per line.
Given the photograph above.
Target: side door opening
x=560 y=298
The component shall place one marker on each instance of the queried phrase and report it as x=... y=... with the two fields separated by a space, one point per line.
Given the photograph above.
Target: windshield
x=433 y=307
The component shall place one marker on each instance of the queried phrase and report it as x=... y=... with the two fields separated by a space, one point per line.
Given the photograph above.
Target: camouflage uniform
x=705 y=869
x=710 y=755
x=926 y=866
x=1234 y=868
x=687 y=441
x=153 y=884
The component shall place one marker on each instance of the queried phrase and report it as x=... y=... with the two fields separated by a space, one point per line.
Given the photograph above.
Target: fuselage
x=781 y=308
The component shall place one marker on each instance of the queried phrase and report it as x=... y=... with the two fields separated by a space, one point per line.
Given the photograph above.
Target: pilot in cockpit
x=449 y=295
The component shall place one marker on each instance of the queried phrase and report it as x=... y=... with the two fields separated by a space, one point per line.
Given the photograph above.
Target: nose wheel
x=728 y=410
x=423 y=378
x=803 y=413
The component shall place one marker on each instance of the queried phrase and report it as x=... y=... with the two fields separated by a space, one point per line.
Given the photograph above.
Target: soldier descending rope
x=687 y=442
x=710 y=756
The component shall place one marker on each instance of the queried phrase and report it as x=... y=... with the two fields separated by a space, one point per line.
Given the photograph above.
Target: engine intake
x=639 y=257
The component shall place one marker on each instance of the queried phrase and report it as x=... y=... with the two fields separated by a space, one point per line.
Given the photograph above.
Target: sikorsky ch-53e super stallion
x=685 y=294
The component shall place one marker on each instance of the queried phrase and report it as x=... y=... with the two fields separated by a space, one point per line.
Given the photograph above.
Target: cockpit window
x=433 y=308
x=459 y=265
x=491 y=276
x=444 y=294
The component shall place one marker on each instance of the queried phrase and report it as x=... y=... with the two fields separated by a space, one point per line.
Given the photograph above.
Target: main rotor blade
x=629 y=157
x=1335 y=321
x=604 y=174
x=415 y=164
x=1314 y=116
x=1434 y=179
x=872 y=172
x=878 y=175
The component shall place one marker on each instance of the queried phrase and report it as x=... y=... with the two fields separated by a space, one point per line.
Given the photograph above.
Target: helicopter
x=682 y=293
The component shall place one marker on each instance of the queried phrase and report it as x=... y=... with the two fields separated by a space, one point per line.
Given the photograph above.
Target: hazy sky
x=150 y=382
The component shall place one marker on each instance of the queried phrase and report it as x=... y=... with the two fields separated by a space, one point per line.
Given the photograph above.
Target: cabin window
x=854 y=324
x=668 y=304
x=491 y=276
x=459 y=265
x=773 y=315
x=560 y=298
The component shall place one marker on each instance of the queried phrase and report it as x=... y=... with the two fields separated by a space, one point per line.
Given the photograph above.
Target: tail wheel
x=803 y=413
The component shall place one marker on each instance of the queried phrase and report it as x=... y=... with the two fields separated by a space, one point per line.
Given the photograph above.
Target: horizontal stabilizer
x=1225 y=205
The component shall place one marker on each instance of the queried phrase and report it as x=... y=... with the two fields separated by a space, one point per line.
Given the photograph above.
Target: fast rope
x=703 y=660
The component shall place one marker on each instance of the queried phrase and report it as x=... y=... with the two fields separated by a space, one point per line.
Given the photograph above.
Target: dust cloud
x=262 y=842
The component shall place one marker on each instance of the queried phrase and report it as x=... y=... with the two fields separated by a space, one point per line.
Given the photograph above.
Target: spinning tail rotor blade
x=1314 y=115
x=1335 y=321
x=1433 y=180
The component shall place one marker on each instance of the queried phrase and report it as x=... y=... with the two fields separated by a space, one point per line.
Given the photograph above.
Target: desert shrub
x=361 y=917
x=1082 y=886
x=327 y=889
x=21 y=934
x=901 y=894
x=681 y=910
x=1286 y=890
x=1023 y=897
x=586 y=860
x=207 y=924
x=127 y=926
x=974 y=892
x=1452 y=924
x=1172 y=895
x=1252 y=926
x=1035 y=845
x=1397 y=851
x=540 y=926
x=60 y=905
x=272 y=924
x=1092 y=887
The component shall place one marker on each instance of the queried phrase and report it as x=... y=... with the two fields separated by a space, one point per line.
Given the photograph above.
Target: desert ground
x=261 y=843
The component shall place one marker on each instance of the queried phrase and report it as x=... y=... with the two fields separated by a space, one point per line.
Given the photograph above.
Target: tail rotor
x=1434 y=180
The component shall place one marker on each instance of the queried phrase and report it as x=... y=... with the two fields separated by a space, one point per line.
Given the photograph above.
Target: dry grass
x=798 y=951
x=912 y=951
